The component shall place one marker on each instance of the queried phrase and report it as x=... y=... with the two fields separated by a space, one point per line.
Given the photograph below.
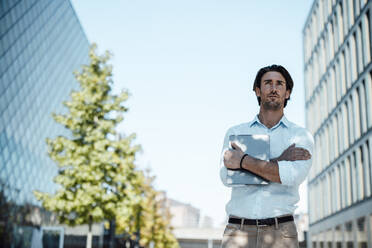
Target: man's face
x=273 y=91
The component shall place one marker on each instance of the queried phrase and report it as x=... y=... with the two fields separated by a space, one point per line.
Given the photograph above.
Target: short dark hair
x=277 y=68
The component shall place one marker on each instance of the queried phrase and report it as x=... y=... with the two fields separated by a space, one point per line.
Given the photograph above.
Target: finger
x=301 y=157
x=291 y=147
x=303 y=150
x=299 y=149
x=227 y=154
x=235 y=146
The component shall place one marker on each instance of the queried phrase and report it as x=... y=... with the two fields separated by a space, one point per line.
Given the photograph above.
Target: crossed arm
x=266 y=169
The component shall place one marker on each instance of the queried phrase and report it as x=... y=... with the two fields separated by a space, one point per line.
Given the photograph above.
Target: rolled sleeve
x=295 y=172
x=223 y=169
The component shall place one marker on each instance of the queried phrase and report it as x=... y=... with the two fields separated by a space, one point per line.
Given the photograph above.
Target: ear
x=258 y=92
x=287 y=94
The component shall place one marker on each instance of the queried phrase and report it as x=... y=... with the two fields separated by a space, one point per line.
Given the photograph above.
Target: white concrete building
x=190 y=229
x=183 y=214
x=338 y=91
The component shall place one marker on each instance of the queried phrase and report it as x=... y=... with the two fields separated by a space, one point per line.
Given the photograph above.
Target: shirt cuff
x=285 y=172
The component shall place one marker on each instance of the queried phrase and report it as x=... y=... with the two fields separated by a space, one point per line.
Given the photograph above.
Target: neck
x=270 y=117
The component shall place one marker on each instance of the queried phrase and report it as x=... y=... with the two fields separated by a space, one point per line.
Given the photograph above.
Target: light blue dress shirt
x=273 y=199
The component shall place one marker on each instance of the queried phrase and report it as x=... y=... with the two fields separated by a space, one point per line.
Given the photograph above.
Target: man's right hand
x=293 y=153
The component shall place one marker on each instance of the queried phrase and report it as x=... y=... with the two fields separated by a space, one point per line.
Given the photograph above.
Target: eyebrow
x=269 y=80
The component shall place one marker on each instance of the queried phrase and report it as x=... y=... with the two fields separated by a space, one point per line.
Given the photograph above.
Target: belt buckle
x=260 y=225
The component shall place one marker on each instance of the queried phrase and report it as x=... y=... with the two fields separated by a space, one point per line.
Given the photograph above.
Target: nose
x=273 y=87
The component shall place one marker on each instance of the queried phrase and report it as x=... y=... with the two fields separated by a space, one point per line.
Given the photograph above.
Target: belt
x=260 y=222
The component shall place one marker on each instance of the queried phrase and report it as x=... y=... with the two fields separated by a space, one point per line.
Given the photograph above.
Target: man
x=262 y=215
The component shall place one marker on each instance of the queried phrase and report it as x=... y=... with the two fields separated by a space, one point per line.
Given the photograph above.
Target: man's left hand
x=232 y=157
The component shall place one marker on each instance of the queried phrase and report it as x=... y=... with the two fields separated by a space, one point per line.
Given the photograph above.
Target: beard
x=271 y=105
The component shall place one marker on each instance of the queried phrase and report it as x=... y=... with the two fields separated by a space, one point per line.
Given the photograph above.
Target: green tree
x=97 y=175
x=152 y=219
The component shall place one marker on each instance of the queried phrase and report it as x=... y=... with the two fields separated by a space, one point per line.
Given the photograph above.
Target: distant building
x=206 y=222
x=338 y=88
x=199 y=237
x=302 y=224
x=190 y=229
x=184 y=215
x=41 y=44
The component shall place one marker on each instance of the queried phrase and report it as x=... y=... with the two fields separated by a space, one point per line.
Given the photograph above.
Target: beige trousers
x=252 y=236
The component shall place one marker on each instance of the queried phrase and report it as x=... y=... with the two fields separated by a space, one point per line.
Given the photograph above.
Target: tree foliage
x=97 y=175
x=152 y=218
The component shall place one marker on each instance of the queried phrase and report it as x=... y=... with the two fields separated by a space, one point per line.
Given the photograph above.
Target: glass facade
x=338 y=89
x=41 y=44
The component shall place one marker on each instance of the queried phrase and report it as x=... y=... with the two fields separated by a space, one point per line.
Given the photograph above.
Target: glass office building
x=41 y=44
x=338 y=88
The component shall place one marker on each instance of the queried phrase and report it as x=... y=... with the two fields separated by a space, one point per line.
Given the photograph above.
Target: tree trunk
x=89 y=237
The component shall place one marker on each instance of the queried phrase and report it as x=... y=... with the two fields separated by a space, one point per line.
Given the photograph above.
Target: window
x=366 y=38
x=343 y=73
x=368 y=164
x=340 y=23
x=338 y=236
x=364 y=156
x=314 y=240
x=359 y=48
x=328 y=100
x=321 y=240
x=326 y=150
x=368 y=93
x=348 y=66
x=349 y=237
x=353 y=175
x=362 y=106
x=336 y=138
x=317 y=155
x=338 y=188
x=328 y=235
x=353 y=54
x=338 y=82
x=331 y=39
x=323 y=62
x=336 y=32
x=350 y=120
x=341 y=138
x=356 y=115
x=344 y=200
x=334 y=87
x=348 y=177
x=361 y=232
x=331 y=195
x=327 y=189
x=359 y=173
x=319 y=190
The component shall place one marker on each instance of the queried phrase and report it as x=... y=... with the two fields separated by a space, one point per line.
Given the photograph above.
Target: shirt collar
x=283 y=121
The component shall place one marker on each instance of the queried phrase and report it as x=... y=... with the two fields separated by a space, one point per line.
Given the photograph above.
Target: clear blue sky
x=189 y=66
